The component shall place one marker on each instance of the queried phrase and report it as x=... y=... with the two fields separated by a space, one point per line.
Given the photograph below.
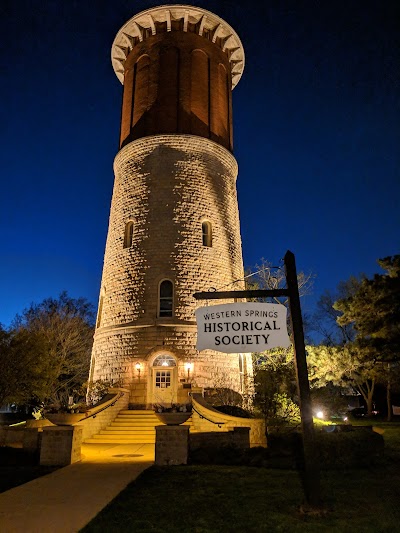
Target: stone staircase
x=130 y=427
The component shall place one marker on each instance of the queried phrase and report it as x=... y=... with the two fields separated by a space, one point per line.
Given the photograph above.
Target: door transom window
x=164 y=360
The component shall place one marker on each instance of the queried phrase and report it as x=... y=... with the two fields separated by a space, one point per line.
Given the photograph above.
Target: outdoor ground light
x=319 y=414
x=188 y=367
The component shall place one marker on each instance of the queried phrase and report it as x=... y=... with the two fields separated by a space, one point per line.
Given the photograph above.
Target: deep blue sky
x=316 y=130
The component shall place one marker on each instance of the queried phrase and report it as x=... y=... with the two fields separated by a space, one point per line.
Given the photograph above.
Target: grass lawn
x=201 y=499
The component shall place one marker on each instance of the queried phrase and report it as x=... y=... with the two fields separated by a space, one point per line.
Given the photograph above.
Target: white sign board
x=242 y=327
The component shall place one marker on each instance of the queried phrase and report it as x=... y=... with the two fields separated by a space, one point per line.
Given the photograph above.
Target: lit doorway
x=164 y=380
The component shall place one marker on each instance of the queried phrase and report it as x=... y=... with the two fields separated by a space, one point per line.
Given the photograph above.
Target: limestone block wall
x=93 y=425
x=207 y=419
x=172 y=445
x=166 y=186
x=10 y=436
x=118 y=350
x=61 y=445
x=27 y=436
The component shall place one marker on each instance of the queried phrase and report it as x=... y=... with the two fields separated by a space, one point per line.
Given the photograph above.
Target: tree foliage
x=267 y=276
x=47 y=351
x=324 y=320
x=374 y=312
x=360 y=326
x=274 y=374
x=344 y=366
x=24 y=367
x=275 y=384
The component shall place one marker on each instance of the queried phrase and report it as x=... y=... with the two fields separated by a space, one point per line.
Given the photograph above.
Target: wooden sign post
x=311 y=462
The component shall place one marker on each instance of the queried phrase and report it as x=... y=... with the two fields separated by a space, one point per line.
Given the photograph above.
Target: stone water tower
x=174 y=222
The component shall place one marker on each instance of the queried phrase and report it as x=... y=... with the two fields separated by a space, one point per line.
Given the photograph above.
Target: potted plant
x=65 y=412
x=173 y=415
x=71 y=407
x=67 y=416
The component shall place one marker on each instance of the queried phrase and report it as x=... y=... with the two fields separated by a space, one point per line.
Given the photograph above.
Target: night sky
x=316 y=136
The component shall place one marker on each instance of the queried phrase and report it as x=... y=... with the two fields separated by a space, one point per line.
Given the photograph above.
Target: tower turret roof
x=163 y=18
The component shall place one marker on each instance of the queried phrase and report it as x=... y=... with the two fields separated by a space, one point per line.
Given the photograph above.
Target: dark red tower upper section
x=178 y=68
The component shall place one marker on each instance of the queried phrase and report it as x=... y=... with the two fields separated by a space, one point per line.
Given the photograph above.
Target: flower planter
x=173 y=419
x=41 y=423
x=65 y=419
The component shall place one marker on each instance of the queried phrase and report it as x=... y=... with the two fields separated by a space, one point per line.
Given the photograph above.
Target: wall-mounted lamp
x=138 y=367
x=188 y=367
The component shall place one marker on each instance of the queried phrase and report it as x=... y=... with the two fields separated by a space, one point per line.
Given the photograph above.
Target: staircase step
x=128 y=419
x=149 y=414
x=131 y=427
x=136 y=414
x=123 y=437
x=105 y=440
x=113 y=431
x=118 y=423
x=146 y=420
x=138 y=417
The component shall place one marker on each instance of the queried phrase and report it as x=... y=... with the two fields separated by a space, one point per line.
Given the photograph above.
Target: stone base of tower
x=174 y=219
x=160 y=365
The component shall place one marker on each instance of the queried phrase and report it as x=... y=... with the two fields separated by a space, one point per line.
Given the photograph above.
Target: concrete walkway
x=67 y=499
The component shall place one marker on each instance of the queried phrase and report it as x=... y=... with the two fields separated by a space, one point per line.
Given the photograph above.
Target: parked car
x=359 y=412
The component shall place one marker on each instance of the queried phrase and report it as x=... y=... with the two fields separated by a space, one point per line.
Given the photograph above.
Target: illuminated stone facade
x=174 y=224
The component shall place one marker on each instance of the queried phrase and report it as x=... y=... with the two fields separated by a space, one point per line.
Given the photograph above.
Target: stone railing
x=102 y=415
x=205 y=419
x=94 y=420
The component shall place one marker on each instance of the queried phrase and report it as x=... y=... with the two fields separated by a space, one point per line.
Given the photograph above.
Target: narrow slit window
x=207 y=233
x=128 y=235
x=166 y=298
x=100 y=311
x=241 y=372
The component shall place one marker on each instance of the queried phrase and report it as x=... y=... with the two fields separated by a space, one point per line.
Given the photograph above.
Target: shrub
x=257 y=456
x=343 y=449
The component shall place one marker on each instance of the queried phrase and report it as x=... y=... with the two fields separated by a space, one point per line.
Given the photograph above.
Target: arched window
x=100 y=312
x=164 y=360
x=206 y=229
x=200 y=94
x=128 y=234
x=141 y=89
x=163 y=377
x=166 y=298
x=100 y=309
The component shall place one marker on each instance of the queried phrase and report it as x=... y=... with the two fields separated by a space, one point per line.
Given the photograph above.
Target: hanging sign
x=242 y=327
